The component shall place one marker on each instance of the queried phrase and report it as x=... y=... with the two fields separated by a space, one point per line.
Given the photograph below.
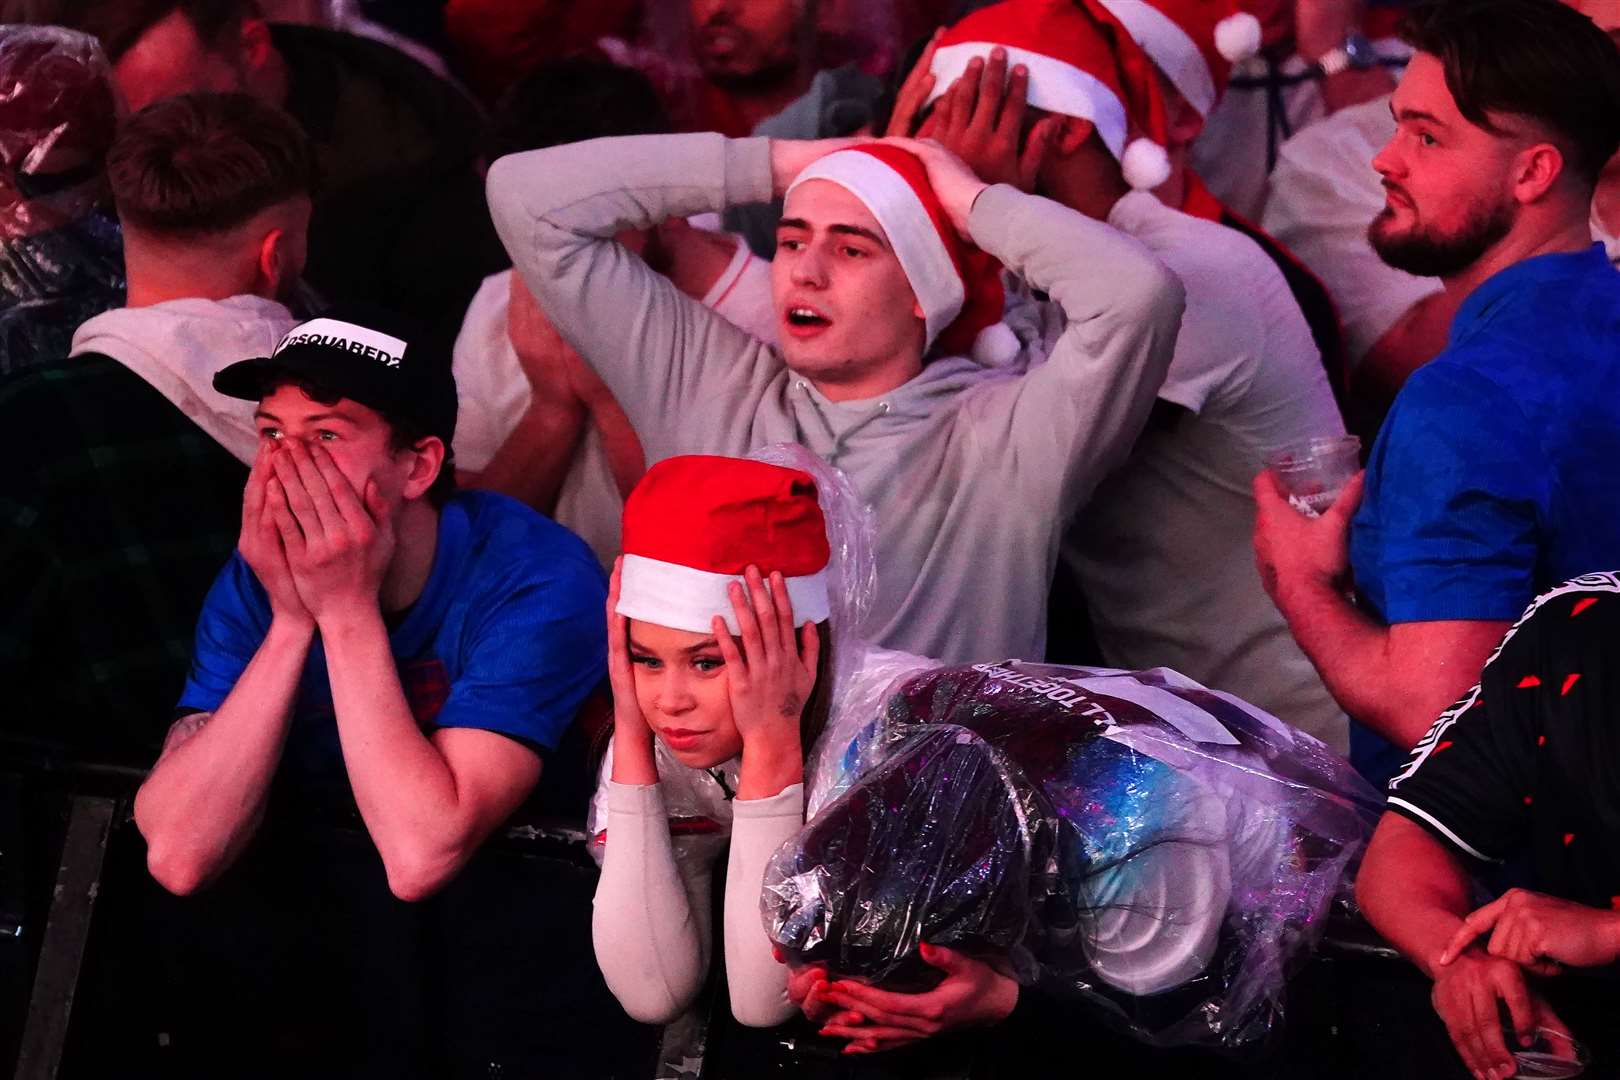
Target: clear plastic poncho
x=61 y=252
x=1160 y=853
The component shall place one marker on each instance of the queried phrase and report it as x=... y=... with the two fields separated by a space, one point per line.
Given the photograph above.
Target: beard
x=1428 y=252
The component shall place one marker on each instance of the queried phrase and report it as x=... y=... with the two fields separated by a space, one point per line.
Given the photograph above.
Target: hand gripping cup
x=1314 y=471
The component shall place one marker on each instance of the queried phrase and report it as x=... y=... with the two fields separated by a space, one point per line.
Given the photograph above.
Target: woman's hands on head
x=770 y=678
x=633 y=760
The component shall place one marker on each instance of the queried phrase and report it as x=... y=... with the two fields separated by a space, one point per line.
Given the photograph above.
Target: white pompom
x=1145 y=164
x=1237 y=37
x=996 y=346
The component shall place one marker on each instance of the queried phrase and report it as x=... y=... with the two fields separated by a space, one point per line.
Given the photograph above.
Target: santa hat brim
x=686 y=598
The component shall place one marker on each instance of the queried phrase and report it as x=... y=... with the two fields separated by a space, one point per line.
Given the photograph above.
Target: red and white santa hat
x=1082 y=62
x=957 y=285
x=1194 y=42
x=695 y=523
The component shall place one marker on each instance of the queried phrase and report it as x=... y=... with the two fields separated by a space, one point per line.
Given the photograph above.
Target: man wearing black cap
x=373 y=622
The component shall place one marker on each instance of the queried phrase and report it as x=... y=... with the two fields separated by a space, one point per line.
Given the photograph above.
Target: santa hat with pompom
x=1082 y=62
x=957 y=285
x=1194 y=42
x=695 y=523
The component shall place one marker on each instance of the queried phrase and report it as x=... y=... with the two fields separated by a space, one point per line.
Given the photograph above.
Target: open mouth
x=802 y=319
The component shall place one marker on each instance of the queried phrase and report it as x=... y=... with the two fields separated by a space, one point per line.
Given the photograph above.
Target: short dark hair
x=1538 y=59
x=572 y=100
x=119 y=24
x=204 y=163
x=403 y=432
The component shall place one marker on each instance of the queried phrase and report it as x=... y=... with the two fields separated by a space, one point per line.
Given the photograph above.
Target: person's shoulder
x=525 y=542
x=57 y=403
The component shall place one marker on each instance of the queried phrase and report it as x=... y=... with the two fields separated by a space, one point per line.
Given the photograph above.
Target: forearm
x=758 y=984
x=205 y=796
x=1075 y=416
x=1350 y=651
x=404 y=788
x=1413 y=891
x=1353 y=87
x=650 y=915
x=532 y=463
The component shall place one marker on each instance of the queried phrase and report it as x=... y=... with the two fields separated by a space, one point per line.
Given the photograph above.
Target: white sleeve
x=758 y=983
x=650 y=919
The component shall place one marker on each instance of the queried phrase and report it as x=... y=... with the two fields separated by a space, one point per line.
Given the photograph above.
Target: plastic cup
x=1313 y=472
x=1554 y=1055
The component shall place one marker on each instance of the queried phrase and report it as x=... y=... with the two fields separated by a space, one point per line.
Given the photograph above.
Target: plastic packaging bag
x=1161 y=852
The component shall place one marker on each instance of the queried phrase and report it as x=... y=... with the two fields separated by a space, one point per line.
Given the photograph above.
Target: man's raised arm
x=1075 y=416
x=659 y=351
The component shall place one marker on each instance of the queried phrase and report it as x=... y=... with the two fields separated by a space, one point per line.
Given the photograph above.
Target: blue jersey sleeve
x=234 y=621
x=533 y=656
x=1455 y=493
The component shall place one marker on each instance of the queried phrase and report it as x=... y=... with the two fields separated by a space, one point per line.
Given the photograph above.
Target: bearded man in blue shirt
x=1497 y=473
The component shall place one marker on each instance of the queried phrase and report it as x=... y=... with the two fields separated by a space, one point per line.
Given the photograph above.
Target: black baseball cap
x=364 y=354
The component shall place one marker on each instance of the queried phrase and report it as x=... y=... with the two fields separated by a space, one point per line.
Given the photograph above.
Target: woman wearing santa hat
x=719 y=660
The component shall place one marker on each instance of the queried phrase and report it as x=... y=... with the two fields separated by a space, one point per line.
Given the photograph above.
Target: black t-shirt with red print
x=1527 y=764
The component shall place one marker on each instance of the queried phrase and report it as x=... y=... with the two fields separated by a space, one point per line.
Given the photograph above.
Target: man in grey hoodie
x=121 y=473
x=972 y=468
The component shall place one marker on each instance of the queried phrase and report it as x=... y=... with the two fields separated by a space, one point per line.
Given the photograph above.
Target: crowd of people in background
x=378 y=383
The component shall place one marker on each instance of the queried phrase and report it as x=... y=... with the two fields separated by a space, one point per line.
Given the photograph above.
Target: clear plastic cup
x=1554 y=1055
x=1313 y=472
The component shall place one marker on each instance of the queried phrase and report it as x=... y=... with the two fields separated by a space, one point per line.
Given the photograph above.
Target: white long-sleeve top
x=651 y=921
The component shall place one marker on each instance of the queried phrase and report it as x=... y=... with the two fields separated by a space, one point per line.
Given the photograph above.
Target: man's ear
x=1535 y=170
x=254 y=44
x=274 y=262
x=1071 y=135
x=427 y=459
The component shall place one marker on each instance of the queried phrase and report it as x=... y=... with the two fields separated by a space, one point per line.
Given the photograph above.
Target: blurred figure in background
x=61 y=259
x=1319 y=56
x=400 y=220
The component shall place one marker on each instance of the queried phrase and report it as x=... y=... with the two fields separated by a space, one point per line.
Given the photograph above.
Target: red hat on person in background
x=695 y=523
x=1082 y=62
x=1194 y=42
x=957 y=285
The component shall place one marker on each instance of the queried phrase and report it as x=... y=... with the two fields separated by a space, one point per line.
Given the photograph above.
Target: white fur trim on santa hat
x=1172 y=50
x=910 y=231
x=1145 y=164
x=1238 y=36
x=1053 y=85
x=996 y=346
x=686 y=598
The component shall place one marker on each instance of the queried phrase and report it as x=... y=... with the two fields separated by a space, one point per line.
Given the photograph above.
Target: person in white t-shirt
x=536 y=421
x=499 y=387
x=1163 y=552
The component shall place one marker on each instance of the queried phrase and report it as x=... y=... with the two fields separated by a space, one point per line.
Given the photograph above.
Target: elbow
x=181 y=873
x=418 y=876
x=1163 y=297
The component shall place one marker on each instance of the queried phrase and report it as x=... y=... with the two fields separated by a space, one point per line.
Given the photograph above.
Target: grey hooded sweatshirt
x=972 y=472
